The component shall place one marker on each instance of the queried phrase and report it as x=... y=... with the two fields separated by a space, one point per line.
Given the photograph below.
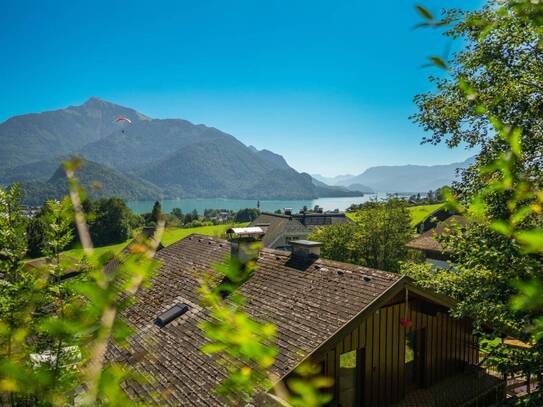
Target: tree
x=377 y=239
x=496 y=78
x=35 y=232
x=492 y=99
x=246 y=215
x=485 y=263
x=340 y=242
x=111 y=221
x=177 y=213
x=156 y=213
x=385 y=229
x=67 y=323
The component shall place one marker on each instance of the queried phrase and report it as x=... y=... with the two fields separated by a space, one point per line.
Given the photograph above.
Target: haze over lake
x=187 y=205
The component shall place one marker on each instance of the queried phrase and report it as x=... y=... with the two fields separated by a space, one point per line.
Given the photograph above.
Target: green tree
x=156 y=213
x=177 y=213
x=246 y=215
x=491 y=100
x=377 y=238
x=385 y=228
x=341 y=242
x=54 y=331
x=111 y=221
x=496 y=77
x=35 y=232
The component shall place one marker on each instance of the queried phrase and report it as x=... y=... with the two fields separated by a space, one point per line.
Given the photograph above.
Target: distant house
x=383 y=340
x=428 y=243
x=281 y=229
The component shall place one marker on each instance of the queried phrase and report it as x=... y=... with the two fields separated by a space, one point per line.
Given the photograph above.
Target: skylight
x=171 y=314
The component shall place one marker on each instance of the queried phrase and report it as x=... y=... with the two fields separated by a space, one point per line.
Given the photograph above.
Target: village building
x=427 y=243
x=282 y=228
x=383 y=340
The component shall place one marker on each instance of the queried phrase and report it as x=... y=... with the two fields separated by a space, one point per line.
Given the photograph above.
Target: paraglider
x=123 y=119
x=120 y=119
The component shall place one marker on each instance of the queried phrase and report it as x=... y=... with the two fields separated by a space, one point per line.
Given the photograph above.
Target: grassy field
x=418 y=213
x=421 y=212
x=171 y=235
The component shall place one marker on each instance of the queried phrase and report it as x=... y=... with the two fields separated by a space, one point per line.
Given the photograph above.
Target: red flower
x=406 y=323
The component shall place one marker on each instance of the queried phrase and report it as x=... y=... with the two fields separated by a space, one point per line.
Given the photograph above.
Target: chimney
x=242 y=243
x=306 y=249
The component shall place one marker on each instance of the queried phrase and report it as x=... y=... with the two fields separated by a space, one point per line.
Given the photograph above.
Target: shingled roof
x=428 y=241
x=308 y=300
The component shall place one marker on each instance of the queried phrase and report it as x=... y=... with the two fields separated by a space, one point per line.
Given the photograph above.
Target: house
x=281 y=229
x=428 y=242
x=382 y=339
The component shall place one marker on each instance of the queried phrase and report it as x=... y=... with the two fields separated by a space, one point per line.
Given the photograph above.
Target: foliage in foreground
x=54 y=330
x=492 y=99
x=246 y=348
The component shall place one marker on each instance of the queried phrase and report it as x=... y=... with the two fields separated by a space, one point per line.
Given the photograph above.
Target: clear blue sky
x=327 y=84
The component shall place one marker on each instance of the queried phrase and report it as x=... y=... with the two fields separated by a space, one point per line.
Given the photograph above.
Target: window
x=414 y=358
x=347 y=379
x=410 y=344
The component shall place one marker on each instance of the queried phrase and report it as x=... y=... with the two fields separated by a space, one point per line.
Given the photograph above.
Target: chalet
x=383 y=340
x=428 y=242
x=281 y=229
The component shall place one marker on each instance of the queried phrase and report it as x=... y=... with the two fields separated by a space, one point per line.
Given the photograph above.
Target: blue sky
x=327 y=84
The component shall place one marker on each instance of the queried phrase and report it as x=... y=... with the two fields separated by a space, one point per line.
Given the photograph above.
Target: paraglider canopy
x=123 y=119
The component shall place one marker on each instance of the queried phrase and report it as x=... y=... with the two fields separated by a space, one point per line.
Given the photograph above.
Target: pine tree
x=156 y=213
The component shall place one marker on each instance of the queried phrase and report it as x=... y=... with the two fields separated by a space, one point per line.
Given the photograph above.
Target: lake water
x=187 y=205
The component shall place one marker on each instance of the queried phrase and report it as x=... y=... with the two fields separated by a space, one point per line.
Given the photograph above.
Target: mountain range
x=143 y=158
x=399 y=178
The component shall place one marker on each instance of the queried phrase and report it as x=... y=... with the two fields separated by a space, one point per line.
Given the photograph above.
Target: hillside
x=98 y=180
x=400 y=178
x=150 y=156
x=40 y=136
x=324 y=190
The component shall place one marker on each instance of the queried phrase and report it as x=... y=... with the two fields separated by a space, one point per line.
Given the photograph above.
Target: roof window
x=171 y=314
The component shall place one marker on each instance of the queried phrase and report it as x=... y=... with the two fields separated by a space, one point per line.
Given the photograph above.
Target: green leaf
x=532 y=239
x=423 y=11
x=439 y=62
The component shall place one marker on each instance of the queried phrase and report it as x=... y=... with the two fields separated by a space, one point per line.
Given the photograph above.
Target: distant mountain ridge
x=155 y=157
x=402 y=178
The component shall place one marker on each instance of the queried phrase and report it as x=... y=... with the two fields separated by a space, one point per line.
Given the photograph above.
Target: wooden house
x=383 y=340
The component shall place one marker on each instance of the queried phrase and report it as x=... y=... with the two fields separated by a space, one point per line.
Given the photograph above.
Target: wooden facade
x=383 y=376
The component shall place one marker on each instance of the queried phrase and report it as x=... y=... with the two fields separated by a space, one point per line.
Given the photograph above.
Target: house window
x=414 y=358
x=347 y=379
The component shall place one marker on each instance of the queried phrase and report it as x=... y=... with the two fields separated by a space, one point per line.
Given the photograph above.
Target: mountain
x=360 y=187
x=41 y=136
x=39 y=171
x=154 y=157
x=276 y=160
x=407 y=178
x=225 y=168
x=331 y=180
x=325 y=190
x=97 y=179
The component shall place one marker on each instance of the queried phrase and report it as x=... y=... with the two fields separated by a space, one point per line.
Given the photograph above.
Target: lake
x=188 y=205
